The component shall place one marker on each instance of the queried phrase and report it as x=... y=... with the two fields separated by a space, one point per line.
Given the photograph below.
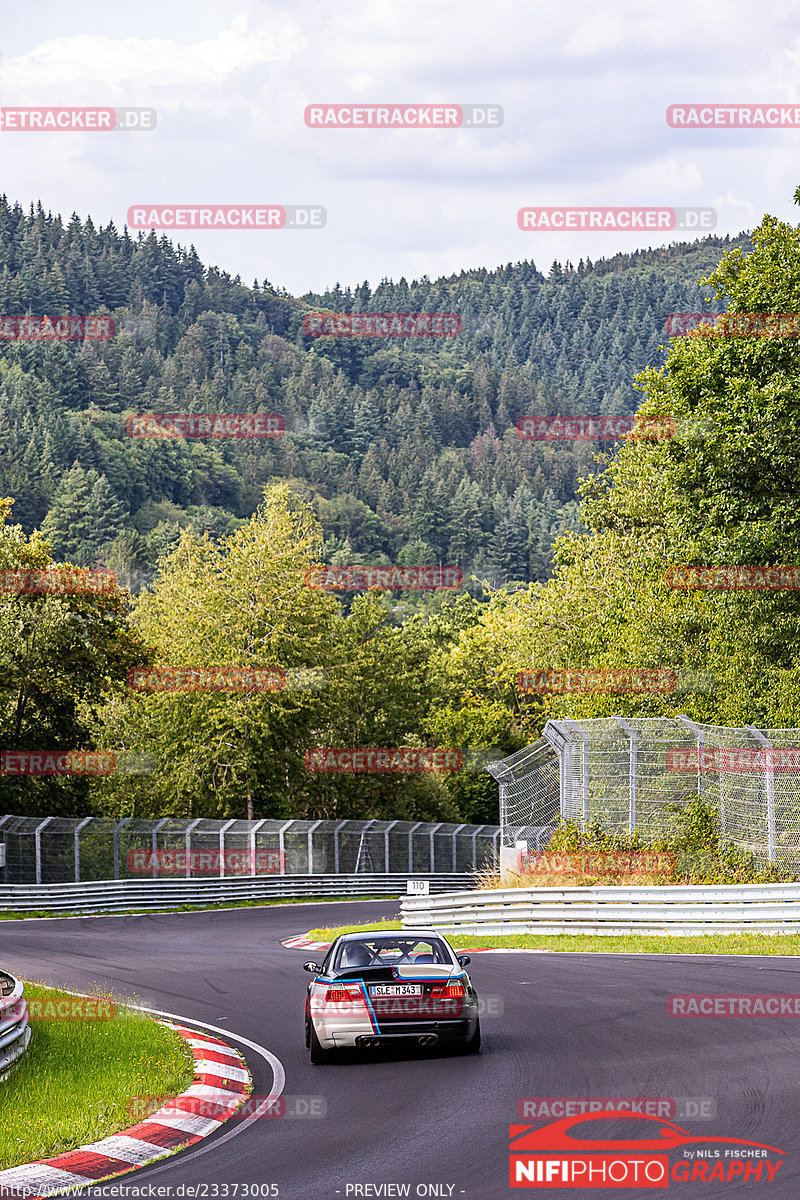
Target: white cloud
x=584 y=95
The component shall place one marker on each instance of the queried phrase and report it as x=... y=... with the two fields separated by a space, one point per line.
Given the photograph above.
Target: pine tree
x=107 y=514
x=69 y=524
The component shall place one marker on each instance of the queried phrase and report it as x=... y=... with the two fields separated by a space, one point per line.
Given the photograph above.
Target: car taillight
x=450 y=992
x=339 y=994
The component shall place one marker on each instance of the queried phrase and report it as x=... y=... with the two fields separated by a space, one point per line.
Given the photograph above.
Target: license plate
x=396 y=989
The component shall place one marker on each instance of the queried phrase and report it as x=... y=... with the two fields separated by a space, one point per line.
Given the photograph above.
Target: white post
x=701 y=745
x=226 y=826
x=772 y=849
x=311 y=847
x=117 y=828
x=37 y=846
x=478 y=828
x=156 y=828
x=253 y=831
x=456 y=832
x=78 y=829
x=187 y=845
x=584 y=768
x=433 y=854
x=632 y=772
x=411 y=847
x=386 y=845
x=282 y=845
x=336 y=847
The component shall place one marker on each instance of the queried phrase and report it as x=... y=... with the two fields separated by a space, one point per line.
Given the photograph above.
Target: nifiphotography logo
x=579 y=1152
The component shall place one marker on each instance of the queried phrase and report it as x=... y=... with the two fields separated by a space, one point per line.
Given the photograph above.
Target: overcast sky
x=584 y=90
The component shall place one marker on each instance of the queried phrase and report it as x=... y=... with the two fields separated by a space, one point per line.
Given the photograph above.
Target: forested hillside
x=407 y=449
x=394 y=451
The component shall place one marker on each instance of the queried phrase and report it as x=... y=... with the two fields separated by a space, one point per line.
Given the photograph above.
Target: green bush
x=692 y=836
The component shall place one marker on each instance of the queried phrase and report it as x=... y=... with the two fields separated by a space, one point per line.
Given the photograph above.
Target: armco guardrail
x=691 y=909
x=15 y=1033
x=154 y=894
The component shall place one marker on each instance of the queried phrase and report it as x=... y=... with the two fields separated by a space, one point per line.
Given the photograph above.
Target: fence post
x=156 y=828
x=311 y=847
x=584 y=769
x=433 y=849
x=117 y=828
x=701 y=745
x=632 y=772
x=3 y=843
x=336 y=846
x=364 y=853
x=78 y=829
x=478 y=828
x=411 y=847
x=772 y=850
x=227 y=825
x=187 y=845
x=37 y=846
x=254 y=830
x=456 y=832
x=386 y=846
x=282 y=844
x=564 y=747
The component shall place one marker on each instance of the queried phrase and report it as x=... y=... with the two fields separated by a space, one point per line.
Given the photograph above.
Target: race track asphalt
x=563 y=1026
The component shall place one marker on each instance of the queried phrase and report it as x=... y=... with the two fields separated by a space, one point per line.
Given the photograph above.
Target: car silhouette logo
x=557 y=1135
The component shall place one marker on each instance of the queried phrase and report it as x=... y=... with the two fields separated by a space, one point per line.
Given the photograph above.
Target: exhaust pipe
x=428 y=1039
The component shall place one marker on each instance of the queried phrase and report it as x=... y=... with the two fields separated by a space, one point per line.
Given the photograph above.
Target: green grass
x=8 y=915
x=714 y=943
x=78 y=1078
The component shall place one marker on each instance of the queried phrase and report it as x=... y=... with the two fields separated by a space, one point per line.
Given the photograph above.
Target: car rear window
x=386 y=952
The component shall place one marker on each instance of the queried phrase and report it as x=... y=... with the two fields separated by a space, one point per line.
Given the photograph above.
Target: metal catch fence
x=625 y=772
x=77 y=850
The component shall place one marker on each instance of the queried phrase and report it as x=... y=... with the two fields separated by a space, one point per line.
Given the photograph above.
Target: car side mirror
x=311 y=966
x=464 y=959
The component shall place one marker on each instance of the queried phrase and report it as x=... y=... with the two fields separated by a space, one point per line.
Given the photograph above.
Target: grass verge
x=7 y=915
x=713 y=943
x=78 y=1077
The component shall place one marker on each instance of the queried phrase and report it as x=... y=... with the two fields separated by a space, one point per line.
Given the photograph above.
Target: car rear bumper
x=426 y=1033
